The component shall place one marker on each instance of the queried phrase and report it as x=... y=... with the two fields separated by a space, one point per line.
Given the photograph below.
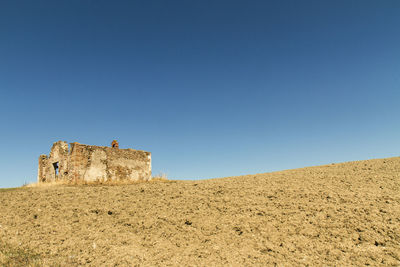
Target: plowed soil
x=335 y=215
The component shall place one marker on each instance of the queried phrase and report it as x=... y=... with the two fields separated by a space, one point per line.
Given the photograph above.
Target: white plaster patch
x=97 y=167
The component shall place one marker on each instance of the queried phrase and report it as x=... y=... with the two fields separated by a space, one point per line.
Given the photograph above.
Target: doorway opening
x=55 y=165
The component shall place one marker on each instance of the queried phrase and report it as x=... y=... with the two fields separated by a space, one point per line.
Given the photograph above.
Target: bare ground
x=335 y=215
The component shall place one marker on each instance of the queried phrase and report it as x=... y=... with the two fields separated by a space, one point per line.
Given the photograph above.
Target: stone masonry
x=76 y=162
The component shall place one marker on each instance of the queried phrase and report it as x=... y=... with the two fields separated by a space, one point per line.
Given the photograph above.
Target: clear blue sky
x=211 y=88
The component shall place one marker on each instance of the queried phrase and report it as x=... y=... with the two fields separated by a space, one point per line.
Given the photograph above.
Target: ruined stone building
x=76 y=162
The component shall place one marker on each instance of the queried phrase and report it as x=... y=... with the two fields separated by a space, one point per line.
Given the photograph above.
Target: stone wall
x=76 y=162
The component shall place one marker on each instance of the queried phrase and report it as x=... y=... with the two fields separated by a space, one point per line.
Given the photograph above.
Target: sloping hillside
x=339 y=214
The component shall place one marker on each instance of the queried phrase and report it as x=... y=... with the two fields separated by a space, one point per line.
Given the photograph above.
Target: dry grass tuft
x=11 y=256
x=158 y=178
x=161 y=176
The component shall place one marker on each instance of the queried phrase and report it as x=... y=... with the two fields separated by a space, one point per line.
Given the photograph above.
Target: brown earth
x=335 y=215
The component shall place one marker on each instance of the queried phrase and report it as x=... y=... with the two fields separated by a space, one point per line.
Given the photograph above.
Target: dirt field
x=339 y=214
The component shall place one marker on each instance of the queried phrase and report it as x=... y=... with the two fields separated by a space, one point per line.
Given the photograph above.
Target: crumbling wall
x=128 y=164
x=42 y=169
x=93 y=163
x=54 y=166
